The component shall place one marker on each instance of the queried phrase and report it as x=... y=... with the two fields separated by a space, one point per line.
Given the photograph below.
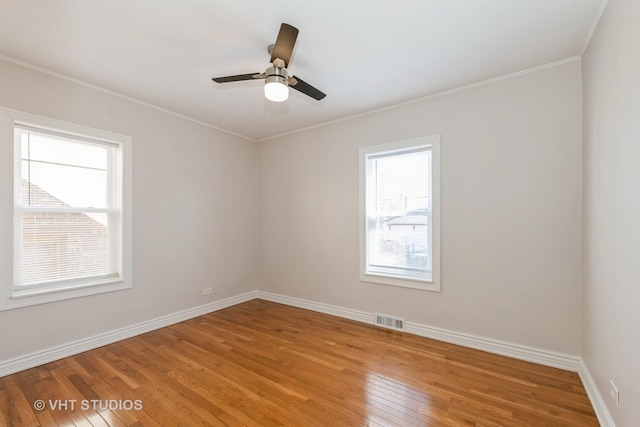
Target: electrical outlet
x=207 y=291
x=614 y=394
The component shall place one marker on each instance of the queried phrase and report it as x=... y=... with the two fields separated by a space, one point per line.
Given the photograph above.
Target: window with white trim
x=400 y=214
x=71 y=211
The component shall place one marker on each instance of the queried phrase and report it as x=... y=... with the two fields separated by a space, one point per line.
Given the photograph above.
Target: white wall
x=611 y=266
x=511 y=211
x=194 y=221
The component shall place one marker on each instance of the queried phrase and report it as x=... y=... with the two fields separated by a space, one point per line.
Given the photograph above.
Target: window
x=71 y=211
x=400 y=214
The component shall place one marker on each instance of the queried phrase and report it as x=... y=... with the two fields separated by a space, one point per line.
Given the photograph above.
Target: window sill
x=424 y=285
x=42 y=296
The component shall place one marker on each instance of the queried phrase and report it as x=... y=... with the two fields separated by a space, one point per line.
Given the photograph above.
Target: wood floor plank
x=262 y=364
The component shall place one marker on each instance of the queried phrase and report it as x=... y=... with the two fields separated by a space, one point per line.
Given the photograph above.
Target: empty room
x=224 y=213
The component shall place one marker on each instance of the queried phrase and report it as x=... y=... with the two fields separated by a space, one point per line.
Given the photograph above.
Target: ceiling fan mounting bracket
x=277 y=62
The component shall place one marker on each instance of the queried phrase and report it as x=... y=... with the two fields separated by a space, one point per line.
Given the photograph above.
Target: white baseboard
x=54 y=353
x=347 y=313
x=603 y=414
x=517 y=351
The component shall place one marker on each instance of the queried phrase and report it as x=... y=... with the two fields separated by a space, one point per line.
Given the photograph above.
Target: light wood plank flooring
x=262 y=364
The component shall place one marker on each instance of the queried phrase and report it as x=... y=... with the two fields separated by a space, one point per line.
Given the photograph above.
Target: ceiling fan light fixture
x=276 y=91
x=276 y=87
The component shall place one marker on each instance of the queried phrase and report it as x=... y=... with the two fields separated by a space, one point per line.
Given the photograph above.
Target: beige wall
x=194 y=221
x=611 y=266
x=511 y=211
x=209 y=207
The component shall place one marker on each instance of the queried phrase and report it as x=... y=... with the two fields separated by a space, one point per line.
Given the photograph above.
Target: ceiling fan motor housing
x=277 y=75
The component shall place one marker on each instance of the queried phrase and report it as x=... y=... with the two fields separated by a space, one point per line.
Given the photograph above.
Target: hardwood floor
x=261 y=364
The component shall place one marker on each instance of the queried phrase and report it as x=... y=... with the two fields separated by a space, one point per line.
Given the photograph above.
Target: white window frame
x=398 y=278
x=13 y=297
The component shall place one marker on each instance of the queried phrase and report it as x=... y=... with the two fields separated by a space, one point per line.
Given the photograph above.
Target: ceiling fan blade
x=284 y=43
x=300 y=85
x=237 y=78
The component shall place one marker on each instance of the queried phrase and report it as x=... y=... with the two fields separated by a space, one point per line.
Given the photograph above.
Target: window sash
x=49 y=268
x=373 y=220
x=36 y=278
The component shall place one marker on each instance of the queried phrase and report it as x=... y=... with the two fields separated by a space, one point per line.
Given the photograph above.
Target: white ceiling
x=364 y=54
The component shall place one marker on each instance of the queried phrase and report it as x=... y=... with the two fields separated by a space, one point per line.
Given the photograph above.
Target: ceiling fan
x=277 y=78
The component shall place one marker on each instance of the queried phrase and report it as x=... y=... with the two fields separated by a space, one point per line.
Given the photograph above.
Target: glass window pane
x=399 y=226
x=57 y=172
x=59 y=246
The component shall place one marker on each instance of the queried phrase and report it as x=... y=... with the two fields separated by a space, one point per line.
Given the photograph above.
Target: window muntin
x=400 y=213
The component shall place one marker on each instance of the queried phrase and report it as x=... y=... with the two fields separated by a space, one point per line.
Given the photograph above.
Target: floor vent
x=391 y=322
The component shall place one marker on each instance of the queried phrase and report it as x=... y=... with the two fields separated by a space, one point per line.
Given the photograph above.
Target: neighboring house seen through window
x=400 y=214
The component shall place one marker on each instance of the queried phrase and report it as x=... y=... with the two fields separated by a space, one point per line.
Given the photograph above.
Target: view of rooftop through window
x=74 y=173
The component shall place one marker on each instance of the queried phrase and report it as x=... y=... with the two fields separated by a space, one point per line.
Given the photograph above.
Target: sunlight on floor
x=389 y=401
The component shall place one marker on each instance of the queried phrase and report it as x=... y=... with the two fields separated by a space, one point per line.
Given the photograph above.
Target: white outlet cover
x=613 y=392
